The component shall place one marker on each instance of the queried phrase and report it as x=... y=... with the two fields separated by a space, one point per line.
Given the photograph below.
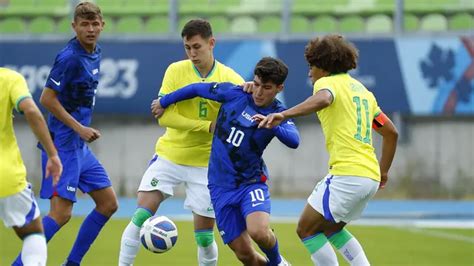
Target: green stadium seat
x=462 y=21
x=379 y=24
x=351 y=24
x=129 y=24
x=41 y=25
x=244 y=24
x=12 y=25
x=325 y=24
x=64 y=25
x=219 y=24
x=411 y=22
x=157 y=24
x=299 y=24
x=269 y=24
x=434 y=22
x=109 y=24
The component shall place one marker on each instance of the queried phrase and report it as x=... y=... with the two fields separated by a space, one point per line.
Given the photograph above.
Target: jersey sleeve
x=375 y=107
x=18 y=91
x=168 y=84
x=63 y=69
x=288 y=134
x=323 y=84
x=220 y=92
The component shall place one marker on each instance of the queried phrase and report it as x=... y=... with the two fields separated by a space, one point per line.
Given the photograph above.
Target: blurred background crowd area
x=162 y=17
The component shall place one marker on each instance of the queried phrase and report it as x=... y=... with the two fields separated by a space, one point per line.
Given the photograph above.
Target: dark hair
x=87 y=10
x=197 y=27
x=271 y=69
x=331 y=53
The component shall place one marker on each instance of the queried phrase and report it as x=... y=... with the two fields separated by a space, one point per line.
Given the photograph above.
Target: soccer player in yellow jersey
x=182 y=153
x=348 y=112
x=18 y=207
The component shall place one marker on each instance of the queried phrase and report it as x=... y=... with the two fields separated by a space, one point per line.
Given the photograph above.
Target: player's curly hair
x=87 y=10
x=197 y=27
x=271 y=69
x=331 y=53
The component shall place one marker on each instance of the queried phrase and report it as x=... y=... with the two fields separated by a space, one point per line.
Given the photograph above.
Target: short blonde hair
x=87 y=10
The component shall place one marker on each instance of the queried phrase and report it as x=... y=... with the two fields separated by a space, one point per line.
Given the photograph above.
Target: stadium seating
x=64 y=25
x=12 y=25
x=246 y=16
x=41 y=25
x=379 y=24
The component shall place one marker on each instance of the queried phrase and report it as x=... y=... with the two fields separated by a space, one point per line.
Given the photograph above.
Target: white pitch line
x=444 y=235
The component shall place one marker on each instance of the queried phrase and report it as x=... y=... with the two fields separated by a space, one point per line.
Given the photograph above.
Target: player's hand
x=383 y=181
x=89 y=134
x=156 y=109
x=54 y=168
x=271 y=120
x=258 y=118
x=212 y=127
x=247 y=86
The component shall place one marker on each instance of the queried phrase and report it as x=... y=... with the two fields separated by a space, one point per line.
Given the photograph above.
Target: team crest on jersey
x=245 y=118
x=154 y=182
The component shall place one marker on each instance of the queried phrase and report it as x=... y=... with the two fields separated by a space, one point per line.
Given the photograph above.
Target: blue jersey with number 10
x=237 y=146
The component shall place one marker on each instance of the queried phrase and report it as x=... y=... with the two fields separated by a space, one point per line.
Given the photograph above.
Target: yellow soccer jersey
x=347 y=126
x=187 y=140
x=13 y=90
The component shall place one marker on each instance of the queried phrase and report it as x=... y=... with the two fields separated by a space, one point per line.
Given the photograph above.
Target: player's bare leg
x=204 y=235
x=60 y=210
x=34 y=250
x=259 y=230
x=243 y=249
x=148 y=203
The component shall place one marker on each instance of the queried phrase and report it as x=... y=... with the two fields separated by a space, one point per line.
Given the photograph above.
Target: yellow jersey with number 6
x=188 y=142
x=13 y=90
x=347 y=126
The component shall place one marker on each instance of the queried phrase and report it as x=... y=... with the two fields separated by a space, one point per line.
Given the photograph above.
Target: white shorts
x=19 y=209
x=342 y=198
x=164 y=176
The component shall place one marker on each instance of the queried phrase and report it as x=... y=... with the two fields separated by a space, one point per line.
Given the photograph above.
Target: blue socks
x=272 y=254
x=88 y=232
x=50 y=228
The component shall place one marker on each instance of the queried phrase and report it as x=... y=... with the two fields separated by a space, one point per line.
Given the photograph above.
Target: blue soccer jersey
x=238 y=145
x=74 y=77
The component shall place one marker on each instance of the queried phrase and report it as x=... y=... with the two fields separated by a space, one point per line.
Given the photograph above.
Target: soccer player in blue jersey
x=69 y=97
x=237 y=173
x=182 y=153
x=348 y=111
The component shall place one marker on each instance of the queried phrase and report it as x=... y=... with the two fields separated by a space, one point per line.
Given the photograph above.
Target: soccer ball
x=158 y=234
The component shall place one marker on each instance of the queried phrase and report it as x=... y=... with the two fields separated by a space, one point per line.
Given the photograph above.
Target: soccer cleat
x=283 y=262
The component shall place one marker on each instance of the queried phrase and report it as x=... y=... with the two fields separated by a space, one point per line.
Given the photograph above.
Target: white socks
x=129 y=245
x=207 y=256
x=34 y=252
x=353 y=253
x=325 y=256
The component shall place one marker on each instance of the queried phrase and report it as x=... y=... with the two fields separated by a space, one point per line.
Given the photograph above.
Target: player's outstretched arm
x=288 y=134
x=38 y=125
x=50 y=101
x=387 y=129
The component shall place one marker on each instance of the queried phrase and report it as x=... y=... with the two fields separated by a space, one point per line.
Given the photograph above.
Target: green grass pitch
x=383 y=245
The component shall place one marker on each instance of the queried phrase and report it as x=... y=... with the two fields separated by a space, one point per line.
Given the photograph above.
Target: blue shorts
x=233 y=205
x=81 y=169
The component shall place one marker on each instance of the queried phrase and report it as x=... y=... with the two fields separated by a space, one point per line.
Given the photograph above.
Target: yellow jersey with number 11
x=347 y=126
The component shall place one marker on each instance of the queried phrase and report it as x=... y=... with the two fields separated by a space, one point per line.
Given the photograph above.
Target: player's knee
x=204 y=238
x=303 y=231
x=108 y=208
x=60 y=217
x=246 y=257
x=260 y=235
x=140 y=216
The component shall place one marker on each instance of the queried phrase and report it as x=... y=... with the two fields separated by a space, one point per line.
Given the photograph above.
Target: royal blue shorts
x=81 y=169
x=232 y=206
